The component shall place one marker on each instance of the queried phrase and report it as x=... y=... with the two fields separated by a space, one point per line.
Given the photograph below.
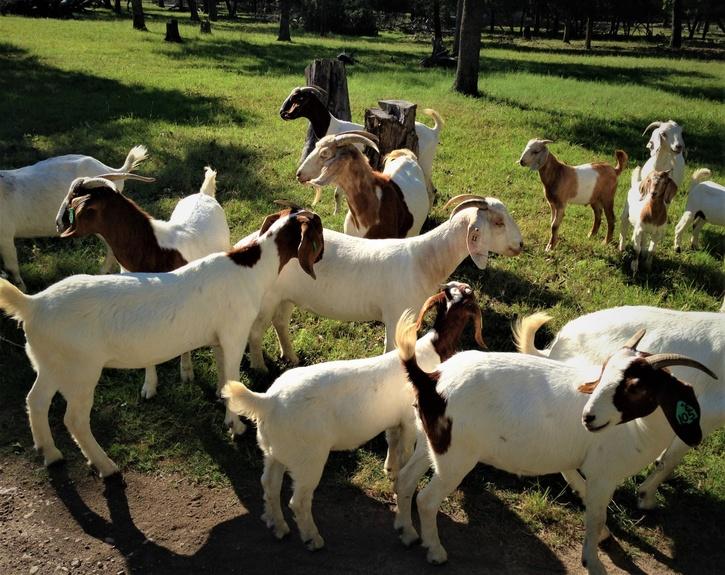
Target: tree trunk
x=705 y=27
x=491 y=21
x=205 y=27
x=457 y=34
x=676 y=38
x=172 y=31
x=193 y=11
x=284 y=35
x=692 y=27
x=328 y=74
x=537 y=19
x=212 y=11
x=437 y=32
x=117 y=6
x=466 y=81
x=588 y=39
x=567 y=31
x=107 y=4
x=394 y=125
x=138 y=17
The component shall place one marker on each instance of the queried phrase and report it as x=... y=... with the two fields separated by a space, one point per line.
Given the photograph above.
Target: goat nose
x=589 y=418
x=521 y=245
x=521 y=162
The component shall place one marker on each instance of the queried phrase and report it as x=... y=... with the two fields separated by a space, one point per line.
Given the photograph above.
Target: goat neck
x=550 y=171
x=130 y=234
x=319 y=117
x=359 y=182
x=442 y=249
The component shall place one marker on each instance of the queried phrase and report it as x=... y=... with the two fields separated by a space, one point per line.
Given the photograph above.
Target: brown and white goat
x=393 y=203
x=646 y=211
x=587 y=184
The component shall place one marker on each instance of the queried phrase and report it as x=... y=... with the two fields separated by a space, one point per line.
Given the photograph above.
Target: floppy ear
x=77 y=207
x=670 y=190
x=311 y=244
x=588 y=388
x=268 y=221
x=479 y=258
x=682 y=410
x=644 y=187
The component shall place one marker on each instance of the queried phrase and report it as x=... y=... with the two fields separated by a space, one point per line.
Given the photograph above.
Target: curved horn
x=635 y=339
x=546 y=142
x=347 y=138
x=368 y=135
x=315 y=90
x=429 y=303
x=455 y=200
x=652 y=125
x=661 y=360
x=114 y=177
x=479 y=203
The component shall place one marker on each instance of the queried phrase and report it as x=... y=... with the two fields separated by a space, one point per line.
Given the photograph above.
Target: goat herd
x=536 y=412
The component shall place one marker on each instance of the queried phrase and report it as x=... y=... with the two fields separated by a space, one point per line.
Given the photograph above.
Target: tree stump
x=205 y=27
x=172 y=31
x=394 y=125
x=328 y=74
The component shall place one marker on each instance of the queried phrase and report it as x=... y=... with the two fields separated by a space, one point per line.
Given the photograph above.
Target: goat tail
x=700 y=175
x=136 y=155
x=636 y=174
x=524 y=331
x=622 y=159
x=437 y=119
x=208 y=187
x=430 y=404
x=243 y=401
x=15 y=303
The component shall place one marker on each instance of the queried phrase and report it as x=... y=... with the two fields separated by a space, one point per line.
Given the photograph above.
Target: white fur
x=704 y=196
x=666 y=147
x=586 y=179
x=83 y=323
x=588 y=340
x=30 y=196
x=376 y=280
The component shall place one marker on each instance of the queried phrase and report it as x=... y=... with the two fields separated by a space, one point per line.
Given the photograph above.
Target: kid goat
x=388 y=204
x=705 y=203
x=405 y=272
x=83 y=323
x=590 y=339
x=339 y=405
x=197 y=227
x=588 y=184
x=532 y=425
x=29 y=199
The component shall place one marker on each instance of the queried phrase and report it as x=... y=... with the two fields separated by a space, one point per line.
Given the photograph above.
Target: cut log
x=394 y=125
x=172 y=31
x=328 y=74
x=205 y=27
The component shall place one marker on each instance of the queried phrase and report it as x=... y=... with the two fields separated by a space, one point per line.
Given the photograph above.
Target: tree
x=588 y=39
x=676 y=38
x=284 y=35
x=466 y=81
x=193 y=11
x=457 y=33
x=437 y=32
x=138 y=17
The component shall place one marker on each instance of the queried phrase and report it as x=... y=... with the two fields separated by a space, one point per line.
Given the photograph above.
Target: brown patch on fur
x=125 y=226
x=658 y=185
x=301 y=238
x=246 y=255
x=431 y=406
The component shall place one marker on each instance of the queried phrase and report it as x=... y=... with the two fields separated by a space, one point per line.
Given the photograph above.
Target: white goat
x=377 y=280
x=29 y=199
x=590 y=339
x=82 y=324
x=666 y=148
x=307 y=102
x=645 y=210
x=339 y=405
x=389 y=204
x=705 y=203
x=197 y=228
x=524 y=414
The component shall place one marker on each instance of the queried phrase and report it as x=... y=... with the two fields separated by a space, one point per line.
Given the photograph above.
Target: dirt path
x=164 y=524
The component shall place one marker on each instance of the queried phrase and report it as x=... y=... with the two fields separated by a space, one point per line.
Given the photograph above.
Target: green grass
x=95 y=86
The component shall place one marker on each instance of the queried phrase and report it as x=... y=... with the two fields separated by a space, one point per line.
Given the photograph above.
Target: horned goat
x=667 y=151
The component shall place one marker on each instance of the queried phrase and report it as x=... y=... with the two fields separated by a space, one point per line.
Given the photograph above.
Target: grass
x=95 y=86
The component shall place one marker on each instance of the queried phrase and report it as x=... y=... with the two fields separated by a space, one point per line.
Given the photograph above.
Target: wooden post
x=394 y=125
x=328 y=74
x=205 y=27
x=172 y=31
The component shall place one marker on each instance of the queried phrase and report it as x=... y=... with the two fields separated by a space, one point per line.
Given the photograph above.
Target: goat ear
x=643 y=187
x=268 y=221
x=588 y=388
x=682 y=410
x=670 y=191
x=480 y=258
x=311 y=245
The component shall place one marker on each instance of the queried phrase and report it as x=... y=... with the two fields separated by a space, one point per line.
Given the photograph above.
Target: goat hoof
x=147 y=392
x=437 y=555
x=236 y=427
x=409 y=537
x=646 y=501
x=678 y=250
x=187 y=376
x=316 y=543
x=51 y=456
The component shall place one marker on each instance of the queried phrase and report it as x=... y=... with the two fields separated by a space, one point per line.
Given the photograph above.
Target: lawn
x=95 y=86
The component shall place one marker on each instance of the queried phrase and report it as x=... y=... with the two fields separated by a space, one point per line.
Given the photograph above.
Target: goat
x=405 y=272
x=339 y=405
x=83 y=323
x=591 y=338
x=705 y=203
x=307 y=102
x=524 y=414
x=197 y=227
x=645 y=210
x=588 y=184
x=667 y=151
x=29 y=199
x=388 y=204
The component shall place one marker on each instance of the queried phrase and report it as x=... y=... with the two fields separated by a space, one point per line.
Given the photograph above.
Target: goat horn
x=347 y=138
x=454 y=201
x=661 y=360
x=315 y=90
x=479 y=203
x=546 y=141
x=652 y=125
x=115 y=176
x=368 y=135
x=635 y=339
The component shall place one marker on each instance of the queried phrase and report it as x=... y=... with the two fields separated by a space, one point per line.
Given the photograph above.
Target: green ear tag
x=685 y=413
x=314 y=245
x=71 y=215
